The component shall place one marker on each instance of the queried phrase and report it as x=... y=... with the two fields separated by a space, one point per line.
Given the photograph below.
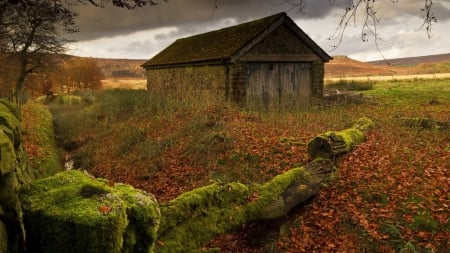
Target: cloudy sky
x=112 y=32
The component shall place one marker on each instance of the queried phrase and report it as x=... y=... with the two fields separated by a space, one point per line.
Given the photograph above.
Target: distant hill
x=120 y=68
x=340 y=66
x=343 y=66
x=409 y=61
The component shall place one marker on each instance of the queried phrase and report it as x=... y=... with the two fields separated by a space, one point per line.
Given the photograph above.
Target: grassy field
x=391 y=194
x=124 y=83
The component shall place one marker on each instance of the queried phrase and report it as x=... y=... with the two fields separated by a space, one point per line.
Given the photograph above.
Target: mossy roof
x=221 y=45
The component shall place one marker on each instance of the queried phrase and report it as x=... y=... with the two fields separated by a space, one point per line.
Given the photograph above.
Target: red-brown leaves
x=104 y=209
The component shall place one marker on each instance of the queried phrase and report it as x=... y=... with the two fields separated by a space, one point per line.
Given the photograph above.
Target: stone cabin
x=269 y=63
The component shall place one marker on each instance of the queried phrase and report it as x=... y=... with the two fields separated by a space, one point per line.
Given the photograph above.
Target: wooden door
x=278 y=86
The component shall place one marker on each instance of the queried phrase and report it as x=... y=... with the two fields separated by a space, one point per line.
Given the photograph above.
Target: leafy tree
x=30 y=32
x=82 y=73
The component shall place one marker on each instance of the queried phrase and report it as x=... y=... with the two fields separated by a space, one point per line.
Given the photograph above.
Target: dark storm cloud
x=190 y=15
x=111 y=21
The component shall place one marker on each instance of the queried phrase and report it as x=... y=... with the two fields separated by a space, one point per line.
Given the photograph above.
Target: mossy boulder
x=10 y=137
x=73 y=212
x=14 y=172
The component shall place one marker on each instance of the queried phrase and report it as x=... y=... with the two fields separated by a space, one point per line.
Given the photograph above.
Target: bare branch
x=300 y=5
x=128 y=4
x=429 y=17
x=370 y=23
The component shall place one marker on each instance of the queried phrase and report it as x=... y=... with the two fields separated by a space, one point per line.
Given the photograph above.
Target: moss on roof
x=214 y=45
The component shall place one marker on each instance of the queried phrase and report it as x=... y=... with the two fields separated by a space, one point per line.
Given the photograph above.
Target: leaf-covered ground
x=391 y=194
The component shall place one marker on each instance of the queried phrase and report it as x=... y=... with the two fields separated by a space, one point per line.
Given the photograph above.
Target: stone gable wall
x=281 y=41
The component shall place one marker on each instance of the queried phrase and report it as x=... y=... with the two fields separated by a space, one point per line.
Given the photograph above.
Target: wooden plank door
x=278 y=86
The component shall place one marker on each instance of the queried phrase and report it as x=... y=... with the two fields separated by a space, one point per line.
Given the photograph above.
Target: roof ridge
x=221 y=44
x=280 y=14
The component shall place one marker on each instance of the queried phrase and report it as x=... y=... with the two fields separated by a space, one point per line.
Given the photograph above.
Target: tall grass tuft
x=350 y=85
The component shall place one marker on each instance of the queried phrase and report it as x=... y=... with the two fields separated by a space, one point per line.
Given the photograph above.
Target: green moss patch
x=72 y=212
x=3 y=237
x=10 y=138
x=8 y=154
x=195 y=217
x=14 y=172
x=330 y=144
x=39 y=139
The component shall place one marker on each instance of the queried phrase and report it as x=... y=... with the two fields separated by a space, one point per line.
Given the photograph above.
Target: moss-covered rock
x=3 y=238
x=3 y=235
x=14 y=172
x=10 y=138
x=73 y=212
x=8 y=160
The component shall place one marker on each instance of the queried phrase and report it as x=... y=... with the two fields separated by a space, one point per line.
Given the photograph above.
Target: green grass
x=412 y=92
x=424 y=222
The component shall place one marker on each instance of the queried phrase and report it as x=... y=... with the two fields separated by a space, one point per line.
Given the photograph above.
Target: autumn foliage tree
x=30 y=31
x=82 y=73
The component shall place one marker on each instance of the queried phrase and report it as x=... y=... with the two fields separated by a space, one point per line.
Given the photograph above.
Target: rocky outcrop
x=73 y=212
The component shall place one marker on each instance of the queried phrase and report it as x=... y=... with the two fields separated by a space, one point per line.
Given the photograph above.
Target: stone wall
x=14 y=172
x=238 y=80
x=317 y=76
x=74 y=212
x=200 y=82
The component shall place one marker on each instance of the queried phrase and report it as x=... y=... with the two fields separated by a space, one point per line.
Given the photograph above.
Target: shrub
x=424 y=222
x=120 y=103
x=350 y=85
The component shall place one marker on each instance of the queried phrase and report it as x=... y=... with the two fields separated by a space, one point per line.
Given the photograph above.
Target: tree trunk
x=332 y=144
x=425 y=123
x=196 y=217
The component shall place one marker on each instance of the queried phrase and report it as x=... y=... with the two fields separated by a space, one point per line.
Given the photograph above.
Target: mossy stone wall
x=14 y=172
x=73 y=212
x=39 y=133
